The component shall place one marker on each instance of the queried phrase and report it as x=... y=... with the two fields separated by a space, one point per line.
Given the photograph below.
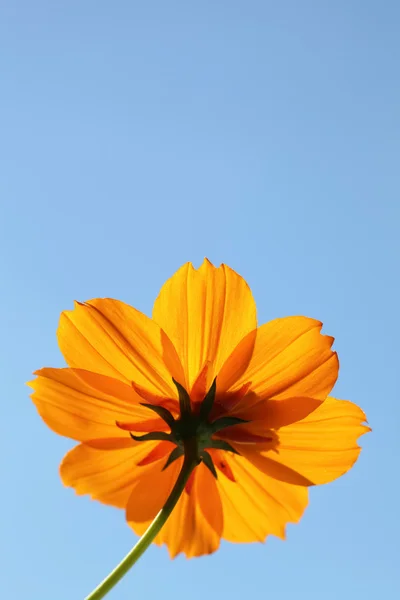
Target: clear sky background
x=135 y=136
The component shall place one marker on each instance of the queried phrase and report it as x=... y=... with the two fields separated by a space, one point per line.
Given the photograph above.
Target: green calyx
x=192 y=432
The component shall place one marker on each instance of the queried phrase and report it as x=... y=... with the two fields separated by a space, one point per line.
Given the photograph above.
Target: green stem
x=147 y=538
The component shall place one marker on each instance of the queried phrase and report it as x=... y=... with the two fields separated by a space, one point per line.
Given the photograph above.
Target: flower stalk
x=189 y=463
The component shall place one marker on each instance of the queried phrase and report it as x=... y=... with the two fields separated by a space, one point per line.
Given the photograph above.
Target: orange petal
x=221 y=462
x=143 y=426
x=151 y=490
x=107 y=476
x=291 y=358
x=115 y=443
x=170 y=404
x=323 y=446
x=190 y=482
x=206 y=495
x=75 y=409
x=160 y=451
x=236 y=364
x=229 y=400
x=241 y=434
x=268 y=465
x=265 y=414
x=195 y=526
x=205 y=313
x=202 y=383
x=109 y=337
x=196 y=523
x=256 y=505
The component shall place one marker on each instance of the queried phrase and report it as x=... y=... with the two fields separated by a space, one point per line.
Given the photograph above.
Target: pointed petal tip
x=39 y=372
x=189 y=552
x=79 y=303
x=366 y=429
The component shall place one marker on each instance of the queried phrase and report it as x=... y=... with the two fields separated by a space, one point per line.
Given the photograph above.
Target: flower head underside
x=251 y=402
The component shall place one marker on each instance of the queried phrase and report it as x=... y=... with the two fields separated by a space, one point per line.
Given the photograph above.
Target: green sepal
x=175 y=454
x=184 y=399
x=208 y=461
x=153 y=436
x=208 y=402
x=223 y=445
x=161 y=412
x=225 y=422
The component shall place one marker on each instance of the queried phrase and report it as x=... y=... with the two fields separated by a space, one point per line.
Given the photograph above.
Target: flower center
x=192 y=432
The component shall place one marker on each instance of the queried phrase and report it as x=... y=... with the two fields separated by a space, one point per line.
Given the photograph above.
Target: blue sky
x=136 y=136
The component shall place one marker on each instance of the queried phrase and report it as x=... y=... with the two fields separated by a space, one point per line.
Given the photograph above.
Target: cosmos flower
x=252 y=401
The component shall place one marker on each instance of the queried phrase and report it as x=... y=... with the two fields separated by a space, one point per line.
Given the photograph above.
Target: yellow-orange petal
x=106 y=475
x=143 y=426
x=265 y=414
x=112 y=338
x=256 y=505
x=162 y=450
x=195 y=527
x=205 y=313
x=170 y=404
x=236 y=365
x=291 y=358
x=115 y=443
x=202 y=383
x=151 y=490
x=72 y=407
x=221 y=463
x=323 y=446
x=196 y=523
x=265 y=462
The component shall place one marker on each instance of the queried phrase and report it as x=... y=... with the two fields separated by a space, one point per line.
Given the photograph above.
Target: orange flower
x=255 y=400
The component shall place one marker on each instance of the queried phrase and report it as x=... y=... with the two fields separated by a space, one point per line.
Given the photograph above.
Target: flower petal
x=219 y=460
x=205 y=313
x=151 y=490
x=162 y=450
x=195 y=526
x=291 y=358
x=73 y=408
x=107 y=476
x=266 y=463
x=323 y=446
x=196 y=523
x=256 y=505
x=265 y=414
x=109 y=337
x=316 y=450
